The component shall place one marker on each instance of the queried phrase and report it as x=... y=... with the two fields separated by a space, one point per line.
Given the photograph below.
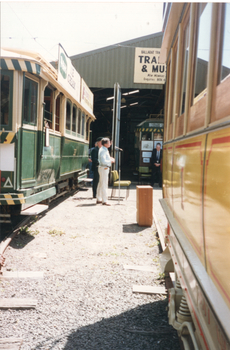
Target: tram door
x=29 y=133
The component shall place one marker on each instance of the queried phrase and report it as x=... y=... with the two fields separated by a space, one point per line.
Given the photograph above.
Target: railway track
x=22 y=221
x=9 y=237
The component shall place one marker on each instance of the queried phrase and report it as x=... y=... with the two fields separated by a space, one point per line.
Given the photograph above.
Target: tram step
x=35 y=209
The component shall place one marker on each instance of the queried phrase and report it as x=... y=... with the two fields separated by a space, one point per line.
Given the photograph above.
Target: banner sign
x=86 y=96
x=68 y=77
x=147 y=69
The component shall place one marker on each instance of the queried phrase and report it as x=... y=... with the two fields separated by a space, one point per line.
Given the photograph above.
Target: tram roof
x=18 y=59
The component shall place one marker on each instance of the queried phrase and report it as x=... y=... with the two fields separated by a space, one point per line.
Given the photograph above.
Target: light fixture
x=110 y=98
x=123 y=106
x=131 y=92
x=133 y=104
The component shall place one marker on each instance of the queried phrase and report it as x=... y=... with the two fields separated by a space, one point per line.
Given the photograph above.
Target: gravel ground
x=85 y=301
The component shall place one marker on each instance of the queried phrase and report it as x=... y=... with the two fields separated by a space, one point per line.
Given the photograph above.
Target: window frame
x=68 y=131
x=23 y=101
x=11 y=82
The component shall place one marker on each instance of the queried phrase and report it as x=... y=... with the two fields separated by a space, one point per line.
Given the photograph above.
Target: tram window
x=225 y=64
x=68 y=115
x=6 y=100
x=203 y=48
x=79 y=122
x=83 y=124
x=147 y=136
x=30 y=102
x=48 y=99
x=74 y=120
x=57 y=117
x=185 y=65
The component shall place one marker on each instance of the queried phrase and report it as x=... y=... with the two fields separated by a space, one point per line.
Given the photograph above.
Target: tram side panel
x=187 y=190
x=167 y=173
x=49 y=159
x=217 y=210
x=74 y=157
x=201 y=206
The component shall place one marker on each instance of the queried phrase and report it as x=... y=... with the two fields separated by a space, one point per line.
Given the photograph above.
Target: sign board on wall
x=68 y=77
x=147 y=70
x=86 y=96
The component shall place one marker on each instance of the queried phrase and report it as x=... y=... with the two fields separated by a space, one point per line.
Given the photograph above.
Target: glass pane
x=34 y=87
x=79 y=122
x=83 y=125
x=48 y=99
x=57 y=119
x=184 y=76
x=74 y=118
x=26 y=102
x=68 y=115
x=5 y=100
x=203 y=48
x=225 y=64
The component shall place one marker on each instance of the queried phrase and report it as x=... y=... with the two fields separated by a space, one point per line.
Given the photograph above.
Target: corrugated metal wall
x=103 y=67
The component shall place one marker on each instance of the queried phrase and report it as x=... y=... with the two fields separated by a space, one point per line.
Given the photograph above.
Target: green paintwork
x=40 y=196
x=74 y=156
x=28 y=157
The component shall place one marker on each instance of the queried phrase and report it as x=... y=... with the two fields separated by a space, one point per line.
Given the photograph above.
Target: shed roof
x=103 y=67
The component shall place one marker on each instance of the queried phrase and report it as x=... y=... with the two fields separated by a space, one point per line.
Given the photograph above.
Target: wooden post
x=144 y=205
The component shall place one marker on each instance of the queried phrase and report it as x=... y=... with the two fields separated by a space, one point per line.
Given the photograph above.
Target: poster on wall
x=147 y=69
x=146 y=145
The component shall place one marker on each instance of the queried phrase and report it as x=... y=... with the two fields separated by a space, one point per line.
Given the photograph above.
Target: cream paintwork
x=217 y=210
x=199 y=199
x=187 y=189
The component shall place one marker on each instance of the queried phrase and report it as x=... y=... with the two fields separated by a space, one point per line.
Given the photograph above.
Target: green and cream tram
x=44 y=132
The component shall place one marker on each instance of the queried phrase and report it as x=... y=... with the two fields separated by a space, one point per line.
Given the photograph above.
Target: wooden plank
x=149 y=289
x=10 y=343
x=22 y=274
x=140 y=268
x=17 y=303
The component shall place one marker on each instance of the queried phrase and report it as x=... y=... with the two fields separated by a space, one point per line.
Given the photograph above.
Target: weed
x=55 y=232
x=161 y=276
x=34 y=233
x=24 y=230
x=151 y=245
x=155 y=259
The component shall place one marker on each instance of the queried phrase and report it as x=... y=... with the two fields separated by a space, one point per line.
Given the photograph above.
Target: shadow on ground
x=137 y=329
x=133 y=228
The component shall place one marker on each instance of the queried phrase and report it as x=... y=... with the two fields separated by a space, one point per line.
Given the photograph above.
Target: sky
x=78 y=26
